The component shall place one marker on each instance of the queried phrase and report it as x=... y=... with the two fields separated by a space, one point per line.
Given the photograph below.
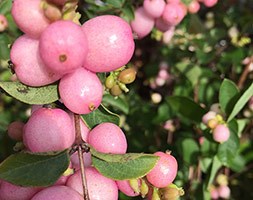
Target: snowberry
x=142 y=24
x=110 y=41
x=3 y=23
x=224 y=191
x=48 y=130
x=194 y=6
x=57 y=193
x=161 y=25
x=214 y=193
x=28 y=66
x=164 y=171
x=208 y=116
x=174 y=13
x=99 y=187
x=154 y=7
x=81 y=91
x=63 y=46
x=125 y=188
x=29 y=17
x=108 y=138
x=210 y=3
x=9 y=191
x=221 y=133
x=15 y=130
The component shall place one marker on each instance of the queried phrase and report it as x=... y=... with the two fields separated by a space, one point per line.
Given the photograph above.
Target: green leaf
x=31 y=95
x=216 y=164
x=5 y=6
x=99 y=116
x=28 y=169
x=229 y=149
x=241 y=102
x=228 y=96
x=123 y=166
x=187 y=108
x=118 y=103
x=115 y=3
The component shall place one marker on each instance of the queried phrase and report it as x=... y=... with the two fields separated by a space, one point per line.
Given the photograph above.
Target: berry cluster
x=221 y=189
x=63 y=50
x=164 y=15
x=215 y=122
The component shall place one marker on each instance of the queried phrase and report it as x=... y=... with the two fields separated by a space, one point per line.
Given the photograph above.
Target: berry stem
x=79 y=142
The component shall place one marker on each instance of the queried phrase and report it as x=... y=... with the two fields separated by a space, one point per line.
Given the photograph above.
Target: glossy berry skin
x=221 y=133
x=48 y=130
x=34 y=23
x=142 y=24
x=110 y=41
x=210 y=3
x=81 y=91
x=31 y=70
x=9 y=191
x=154 y=7
x=125 y=188
x=194 y=7
x=108 y=138
x=164 y=171
x=63 y=47
x=224 y=191
x=57 y=193
x=174 y=13
x=15 y=130
x=99 y=187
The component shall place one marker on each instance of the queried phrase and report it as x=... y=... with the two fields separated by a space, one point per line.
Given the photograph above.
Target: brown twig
x=79 y=142
x=244 y=75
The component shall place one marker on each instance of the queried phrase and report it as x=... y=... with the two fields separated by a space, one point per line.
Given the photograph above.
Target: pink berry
x=63 y=47
x=28 y=66
x=161 y=25
x=35 y=107
x=208 y=116
x=214 y=193
x=15 y=130
x=168 y=35
x=99 y=187
x=142 y=24
x=210 y=3
x=108 y=138
x=48 y=130
x=110 y=41
x=29 y=16
x=154 y=7
x=174 y=13
x=125 y=188
x=194 y=7
x=81 y=91
x=57 y=193
x=224 y=191
x=9 y=191
x=221 y=133
x=3 y=23
x=164 y=171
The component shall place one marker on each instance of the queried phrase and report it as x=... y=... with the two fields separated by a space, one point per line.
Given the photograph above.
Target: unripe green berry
x=109 y=82
x=116 y=90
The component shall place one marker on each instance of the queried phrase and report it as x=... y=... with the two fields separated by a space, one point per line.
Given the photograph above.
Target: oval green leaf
x=100 y=115
x=31 y=95
x=123 y=166
x=28 y=169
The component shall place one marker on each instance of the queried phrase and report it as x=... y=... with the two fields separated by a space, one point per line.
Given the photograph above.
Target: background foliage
x=205 y=63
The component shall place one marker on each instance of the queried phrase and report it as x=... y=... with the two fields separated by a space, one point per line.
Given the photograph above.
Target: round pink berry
x=15 y=130
x=125 y=188
x=210 y=3
x=57 y=193
x=29 y=16
x=81 y=91
x=48 y=130
x=63 y=47
x=194 y=7
x=208 y=116
x=164 y=172
x=142 y=24
x=224 y=191
x=174 y=13
x=99 y=187
x=154 y=7
x=3 y=23
x=110 y=41
x=221 y=133
x=108 y=138
x=161 y=25
x=28 y=66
